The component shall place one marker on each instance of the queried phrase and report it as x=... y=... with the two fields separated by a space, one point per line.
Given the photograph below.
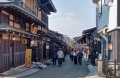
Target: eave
x=95 y=1
x=91 y=30
x=49 y=4
x=4 y=27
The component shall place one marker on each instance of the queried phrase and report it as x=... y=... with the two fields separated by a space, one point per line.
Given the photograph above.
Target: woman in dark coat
x=54 y=57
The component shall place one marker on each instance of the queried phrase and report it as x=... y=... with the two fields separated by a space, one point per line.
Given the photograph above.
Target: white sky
x=72 y=17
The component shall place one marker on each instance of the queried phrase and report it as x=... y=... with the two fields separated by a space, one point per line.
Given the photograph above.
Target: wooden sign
x=110 y=46
x=28 y=57
x=24 y=41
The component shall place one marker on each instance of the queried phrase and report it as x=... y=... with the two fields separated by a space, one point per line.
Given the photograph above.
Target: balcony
x=20 y=8
x=24 y=6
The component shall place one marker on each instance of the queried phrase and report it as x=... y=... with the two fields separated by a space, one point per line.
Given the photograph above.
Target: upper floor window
x=27 y=26
x=5 y=19
x=106 y=2
x=100 y=6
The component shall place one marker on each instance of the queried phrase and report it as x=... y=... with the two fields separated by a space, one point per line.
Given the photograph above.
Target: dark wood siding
x=0 y=15
x=118 y=44
x=5 y=55
x=18 y=52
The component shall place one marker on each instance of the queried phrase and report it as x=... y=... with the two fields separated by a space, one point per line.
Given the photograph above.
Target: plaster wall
x=113 y=15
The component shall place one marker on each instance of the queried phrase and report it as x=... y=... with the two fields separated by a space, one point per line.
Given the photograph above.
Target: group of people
x=60 y=55
x=76 y=55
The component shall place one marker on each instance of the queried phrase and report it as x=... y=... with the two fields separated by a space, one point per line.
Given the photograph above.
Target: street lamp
x=13 y=38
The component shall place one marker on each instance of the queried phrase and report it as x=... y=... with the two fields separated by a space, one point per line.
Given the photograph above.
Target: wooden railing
x=24 y=6
x=114 y=64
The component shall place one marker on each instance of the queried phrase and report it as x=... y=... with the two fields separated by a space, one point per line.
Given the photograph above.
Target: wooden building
x=21 y=25
x=87 y=40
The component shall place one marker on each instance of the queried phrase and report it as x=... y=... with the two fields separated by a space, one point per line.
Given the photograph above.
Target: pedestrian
x=54 y=57
x=71 y=55
x=64 y=52
x=60 y=57
x=75 y=57
x=80 y=55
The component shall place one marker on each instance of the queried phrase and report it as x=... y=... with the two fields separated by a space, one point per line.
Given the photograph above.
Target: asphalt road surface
x=67 y=70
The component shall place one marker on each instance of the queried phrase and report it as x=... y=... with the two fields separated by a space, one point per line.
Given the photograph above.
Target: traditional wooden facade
x=87 y=41
x=21 y=25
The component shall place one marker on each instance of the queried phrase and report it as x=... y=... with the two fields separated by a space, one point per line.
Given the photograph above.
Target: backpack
x=54 y=55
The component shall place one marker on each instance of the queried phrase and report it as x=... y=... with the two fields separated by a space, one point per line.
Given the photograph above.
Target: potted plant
x=110 y=71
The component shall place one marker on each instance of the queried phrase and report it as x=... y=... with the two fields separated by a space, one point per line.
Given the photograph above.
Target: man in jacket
x=60 y=57
x=80 y=55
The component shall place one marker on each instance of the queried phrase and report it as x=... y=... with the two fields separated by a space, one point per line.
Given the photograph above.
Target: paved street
x=68 y=70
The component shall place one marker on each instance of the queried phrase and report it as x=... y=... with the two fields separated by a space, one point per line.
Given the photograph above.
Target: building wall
x=118 y=44
x=102 y=15
x=113 y=39
x=113 y=16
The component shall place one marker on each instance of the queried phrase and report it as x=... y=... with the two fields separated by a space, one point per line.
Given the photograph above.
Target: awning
x=7 y=27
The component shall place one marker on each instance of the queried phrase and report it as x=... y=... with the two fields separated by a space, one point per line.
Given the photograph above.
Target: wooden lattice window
x=6 y=47
x=27 y=27
x=5 y=19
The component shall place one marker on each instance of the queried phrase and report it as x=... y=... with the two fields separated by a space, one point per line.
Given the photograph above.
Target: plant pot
x=110 y=73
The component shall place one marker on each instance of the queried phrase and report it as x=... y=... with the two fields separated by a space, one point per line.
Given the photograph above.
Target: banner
x=28 y=57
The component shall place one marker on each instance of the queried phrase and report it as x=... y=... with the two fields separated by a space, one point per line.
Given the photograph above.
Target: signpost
x=28 y=57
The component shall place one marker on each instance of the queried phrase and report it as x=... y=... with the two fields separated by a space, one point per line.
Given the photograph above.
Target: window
x=106 y=2
x=6 y=47
x=16 y=19
x=5 y=19
x=27 y=27
x=100 y=6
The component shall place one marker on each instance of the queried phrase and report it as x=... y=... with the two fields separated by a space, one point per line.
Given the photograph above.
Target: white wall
x=113 y=16
x=103 y=20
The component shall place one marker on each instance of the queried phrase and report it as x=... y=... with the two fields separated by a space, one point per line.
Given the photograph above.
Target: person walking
x=64 y=52
x=60 y=57
x=75 y=57
x=54 y=57
x=80 y=55
x=71 y=55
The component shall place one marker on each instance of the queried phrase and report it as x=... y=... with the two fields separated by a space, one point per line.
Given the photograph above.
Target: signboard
x=24 y=41
x=99 y=57
x=28 y=57
x=32 y=42
x=110 y=46
x=47 y=46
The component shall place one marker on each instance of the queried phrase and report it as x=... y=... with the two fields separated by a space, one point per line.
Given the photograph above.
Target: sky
x=72 y=17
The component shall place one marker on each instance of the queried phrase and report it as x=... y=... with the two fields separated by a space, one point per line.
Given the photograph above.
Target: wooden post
x=106 y=66
x=115 y=68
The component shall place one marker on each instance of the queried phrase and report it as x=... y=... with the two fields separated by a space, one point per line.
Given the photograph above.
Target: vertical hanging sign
x=28 y=57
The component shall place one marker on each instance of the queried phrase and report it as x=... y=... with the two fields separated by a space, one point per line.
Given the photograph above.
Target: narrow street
x=68 y=70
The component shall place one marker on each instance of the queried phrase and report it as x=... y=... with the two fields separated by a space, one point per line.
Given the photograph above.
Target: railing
x=24 y=6
x=113 y=65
